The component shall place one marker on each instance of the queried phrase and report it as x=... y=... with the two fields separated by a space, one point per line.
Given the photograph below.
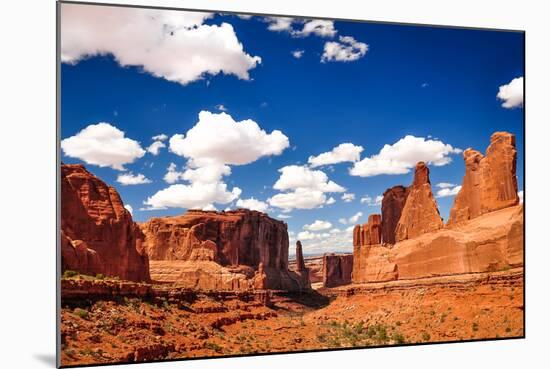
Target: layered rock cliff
x=337 y=269
x=98 y=234
x=393 y=202
x=233 y=239
x=490 y=182
x=420 y=214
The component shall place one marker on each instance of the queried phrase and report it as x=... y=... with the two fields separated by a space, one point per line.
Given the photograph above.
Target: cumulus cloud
x=155 y=147
x=512 y=94
x=279 y=24
x=161 y=137
x=128 y=179
x=218 y=138
x=448 y=191
x=351 y=220
x=346 y=152
x=296 y=176
x=103 y=145
x=445 y=185
x=129 y=208
x=335 y=240
x=347 y=49
x=297 y=53
x=173 y=45
x=348 y=197
x=284 y=216
x=252 y=204
x=318 y=225
x=520 y=195
x=318 y=27
x=330 y=201
x=370 y=201
x=306 y=188
x=403 y=155
x=196 y=195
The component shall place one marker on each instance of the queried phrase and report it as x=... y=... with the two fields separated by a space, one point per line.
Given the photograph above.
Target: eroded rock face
x=420 y=214
x=337 y=270
x=491 y=242
x=393 y=203
x=231 y=239
x=490 y=182
x=369 y=233
x=98 y=234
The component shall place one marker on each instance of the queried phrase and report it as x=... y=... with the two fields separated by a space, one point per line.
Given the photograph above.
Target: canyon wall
x=98 y=235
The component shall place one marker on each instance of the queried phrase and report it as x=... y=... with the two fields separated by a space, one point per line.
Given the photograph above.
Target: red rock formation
x=225 y=240
x=420 y=214
x=491 y=242
x=393 y=203
x=490 y=182
x=337 y=269
x=300 y=264
x=97 y=232
x=369 y=233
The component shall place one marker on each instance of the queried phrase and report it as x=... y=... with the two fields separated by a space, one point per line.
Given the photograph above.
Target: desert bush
x=70 y=274
x=82 y=313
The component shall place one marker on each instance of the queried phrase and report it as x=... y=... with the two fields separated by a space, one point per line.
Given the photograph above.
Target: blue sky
x=365 y=84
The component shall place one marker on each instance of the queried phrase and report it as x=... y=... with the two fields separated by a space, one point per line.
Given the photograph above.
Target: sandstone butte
x=98 y=235
x=490 y=182
x=337 y=269
x=420 y=214
x=227 y=250
x=484 y=235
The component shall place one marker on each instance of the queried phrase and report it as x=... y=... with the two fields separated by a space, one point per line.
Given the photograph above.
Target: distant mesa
x=228 y=250
x=98 y=235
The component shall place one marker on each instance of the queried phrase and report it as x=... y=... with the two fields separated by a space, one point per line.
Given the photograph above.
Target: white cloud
x=296 y=176
x=512 y=94
x=128 y=179
x=445 y=185
x=284 y=216
x=252 y=204
x=173 y=45
x=335 y=230
x=318 y=27
x=217 y=138
x=129 y=208
x=346 y=152
x=103 y=145
x=206 y=174
x=297 y=53
x=351 y=220
x=347 y=49
x=348 y=197
x=318 y=225
x=209 y=207
x=330 y=201
x=319 y=243
x=172 y=175
x=520 y=195
x=372 y=202
x=161 y=137
x=196 y=195
x=279 y=24
x=155 y=147
x=448 y=191
x=221 y=107
x=306 y=188
x=301 y=198
x=403 y=155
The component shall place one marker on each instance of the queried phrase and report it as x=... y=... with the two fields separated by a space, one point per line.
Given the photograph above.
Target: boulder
x=490 y=182
x=98 y=235
x=337 y=269
x=420 y=214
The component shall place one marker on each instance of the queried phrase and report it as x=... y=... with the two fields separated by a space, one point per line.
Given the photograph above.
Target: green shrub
x=99 y=276
x=70 y=274
x=82 y=313
x=425 y=336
